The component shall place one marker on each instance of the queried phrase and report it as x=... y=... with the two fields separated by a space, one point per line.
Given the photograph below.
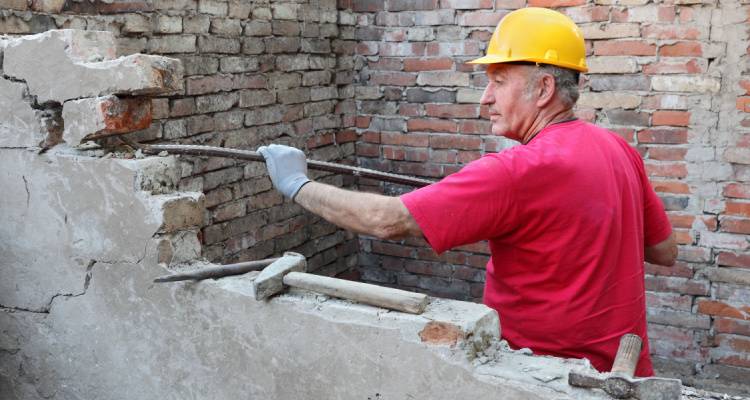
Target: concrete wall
x=670 y=77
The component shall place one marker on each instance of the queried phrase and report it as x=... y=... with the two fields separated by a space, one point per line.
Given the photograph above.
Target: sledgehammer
x=620 y=384
x=289 y=271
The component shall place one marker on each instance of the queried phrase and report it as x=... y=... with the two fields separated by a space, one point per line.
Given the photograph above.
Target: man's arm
x=381 y=216
x=372 y=214
x=664 y=253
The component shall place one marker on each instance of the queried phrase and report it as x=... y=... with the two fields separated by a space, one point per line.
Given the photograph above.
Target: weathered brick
x=104 y=116
x=167 y=24
x=685 y=84
x=441 y=78
x=624 y=48
x=603 y=83
x=216 y=102
x=172 y=44
x=610 y=31
x=213 y=7
x=213 y=44
x=611 y=65
x=226 y=27
x=677 y=318
x=609 y=100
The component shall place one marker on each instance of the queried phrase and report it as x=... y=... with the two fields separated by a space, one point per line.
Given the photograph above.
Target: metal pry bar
x=218 y=272
x=210 y=151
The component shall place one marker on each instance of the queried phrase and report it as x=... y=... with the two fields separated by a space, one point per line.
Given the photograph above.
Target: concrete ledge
x=72 y=54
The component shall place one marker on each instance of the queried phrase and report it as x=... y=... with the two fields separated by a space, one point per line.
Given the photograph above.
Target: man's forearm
x=371 y=214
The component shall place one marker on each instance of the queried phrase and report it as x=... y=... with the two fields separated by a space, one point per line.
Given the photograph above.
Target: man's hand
x=287 y=168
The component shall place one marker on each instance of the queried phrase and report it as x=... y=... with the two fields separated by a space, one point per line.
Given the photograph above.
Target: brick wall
x=670 y=77
x=256 y=72
x=386 y=79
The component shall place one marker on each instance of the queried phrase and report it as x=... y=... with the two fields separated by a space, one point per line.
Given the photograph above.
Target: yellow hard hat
x=537 y=35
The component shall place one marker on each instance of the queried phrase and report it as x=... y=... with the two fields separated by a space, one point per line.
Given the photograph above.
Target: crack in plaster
x=26 y=186
x=47 y=309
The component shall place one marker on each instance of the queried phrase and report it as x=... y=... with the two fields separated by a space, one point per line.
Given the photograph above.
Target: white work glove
x=287 y=168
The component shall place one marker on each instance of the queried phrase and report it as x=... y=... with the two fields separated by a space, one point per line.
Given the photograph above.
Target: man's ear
x=546 y=90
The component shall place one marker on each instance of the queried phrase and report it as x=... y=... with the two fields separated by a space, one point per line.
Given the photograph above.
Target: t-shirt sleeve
x=656 y=225
x=471 y=205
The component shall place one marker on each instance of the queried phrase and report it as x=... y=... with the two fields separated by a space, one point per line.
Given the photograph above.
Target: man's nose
x=487 y=97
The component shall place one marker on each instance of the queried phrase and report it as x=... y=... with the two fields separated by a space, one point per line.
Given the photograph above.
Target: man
x=569 y=215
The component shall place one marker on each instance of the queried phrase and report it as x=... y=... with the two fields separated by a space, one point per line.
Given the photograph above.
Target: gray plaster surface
x=60 y=214
x=78 y=64
x=19 y=123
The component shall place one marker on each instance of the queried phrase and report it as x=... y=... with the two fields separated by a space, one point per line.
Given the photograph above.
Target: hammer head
x=271 y=280
x=621 y=387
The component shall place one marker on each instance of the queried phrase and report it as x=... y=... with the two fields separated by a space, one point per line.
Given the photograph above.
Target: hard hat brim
x=496 y=59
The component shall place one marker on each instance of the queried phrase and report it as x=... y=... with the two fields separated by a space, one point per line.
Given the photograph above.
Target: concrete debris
x=72 y=54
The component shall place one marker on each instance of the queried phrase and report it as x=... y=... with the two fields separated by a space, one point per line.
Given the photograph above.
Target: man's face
x=511 y=108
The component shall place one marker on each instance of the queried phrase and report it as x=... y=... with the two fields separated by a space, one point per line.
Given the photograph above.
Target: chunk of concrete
x=20 y=124
x=180 y=211
x=78 y=64
x=104 y=115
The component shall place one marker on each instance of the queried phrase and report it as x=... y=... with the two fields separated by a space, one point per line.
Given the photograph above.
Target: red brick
x=743 y=103
x=666 y=13
x=452 y=110
x=735 y=225
x=418 y=169
x=737 y=343
x=386 y=64
x=410 y=110
x=660 y=31
x=475 y=127
x=444 y=156
x=556 y=3
x=681 y=49
x=627 y=134
x=393 y=153
x=427 y=64
x=363 y=122
x=739 y=260
x=670 y=187
x=320 y=140
x=441 y=333
x=673 y=118
x=368 y=150
x=683 y=236
x=465 y=157
x=481 y=18
x=431 y=125
x=416 y=154
x=737 y=190
x=393 y=78
x=346 y=136
x=367 y=5
x=411 y=139
x=370 y=137
x=719 y=309
x=669 y=300
x=671 y=67
x=680 y=269
x=123 y=115
x=366 y=48
x=456 y=142
x=733 y=326
x=745 y=84
x=737 y=208
x=666 y=136
x=392 y=249
x=666 y=153
x=623 y=48
x=681 y=220
x=208 y=84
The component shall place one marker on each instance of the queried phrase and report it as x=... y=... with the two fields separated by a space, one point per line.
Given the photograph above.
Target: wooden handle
x=627 y=355
x=392 y=299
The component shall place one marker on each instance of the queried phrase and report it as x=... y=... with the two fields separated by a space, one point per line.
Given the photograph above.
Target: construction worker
x=570 y=215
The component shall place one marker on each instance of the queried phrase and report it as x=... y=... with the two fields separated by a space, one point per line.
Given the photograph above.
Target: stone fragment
x=70 y=53
x=104 y=115
x=180 y=211
x=20 y=124
x=47 y=6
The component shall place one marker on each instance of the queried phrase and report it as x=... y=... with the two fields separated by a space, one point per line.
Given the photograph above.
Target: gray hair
x=566 y=81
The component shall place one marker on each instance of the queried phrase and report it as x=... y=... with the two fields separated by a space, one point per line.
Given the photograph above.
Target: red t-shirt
x=567 y=217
